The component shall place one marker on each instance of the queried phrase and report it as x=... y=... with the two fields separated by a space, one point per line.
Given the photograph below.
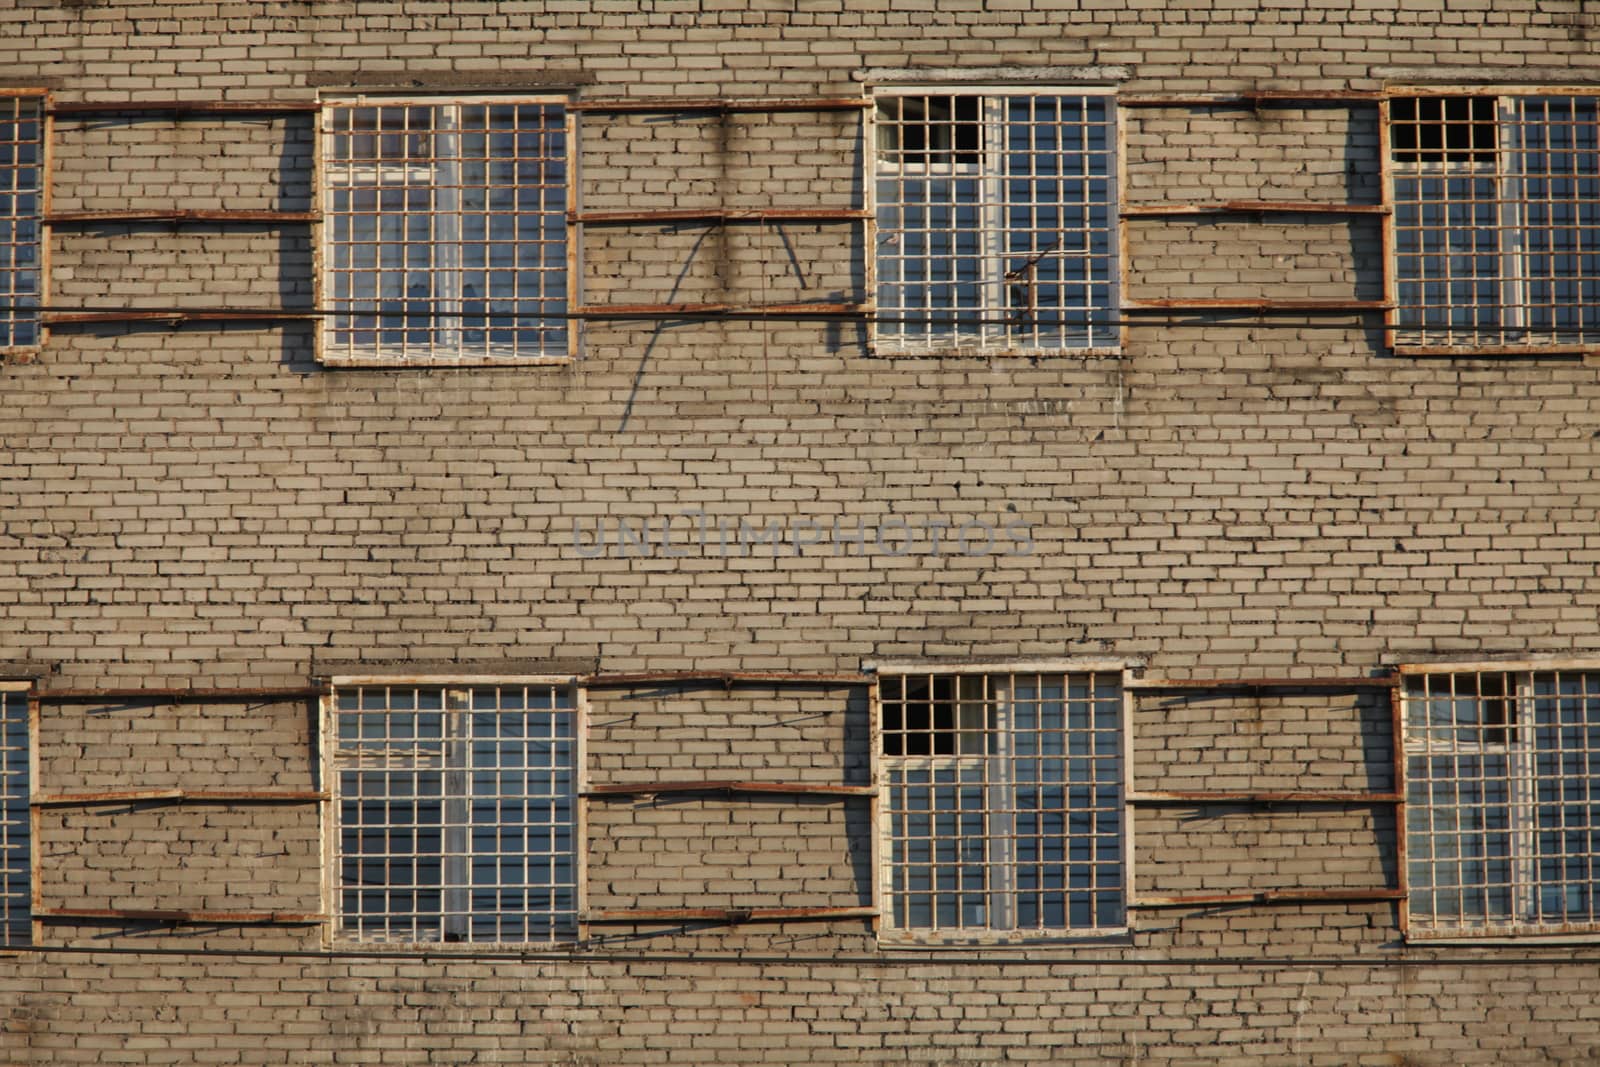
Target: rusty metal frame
x=719 y=215
x=1260 y=98
x=178 y=317
x=1228 y=796
x=1130 y=884
x=327 y=812
x=726 y=678
x=1391 y=314
x=176 y=696
x=877 y=809
x=728 y=788
x=730 y=916
x=347 y=98
x=182 y=108
x=580 y=810
x=669 y=105
x=881 y=826
x=1122 y=284
x=1251 y=207
x=1389 y=245
x=14 y=688
x=1398 y=773
x=184 y=916
x=1179 y=684
x=1514 y=931
x=330 y=822
x=29 y=353
x=576 y=327
x=182 y=796
x=1116 y=281
x=1268 y=896
x=1224 y=303
x=654 y=312
x=247 y=217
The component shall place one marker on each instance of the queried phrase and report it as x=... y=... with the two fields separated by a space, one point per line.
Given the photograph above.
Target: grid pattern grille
x=1496 y=220
x=1003 y=798
x=446 y=233
x=16 y=861
x=996 y=223
x=1503 y=805
x=456 y=813
x=21 y=216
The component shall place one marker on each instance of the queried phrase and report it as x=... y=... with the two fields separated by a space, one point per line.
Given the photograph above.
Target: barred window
x=1496 y=221
x=21 y=216
x=445 y=232
x=996 y=222
x=16 y=850
x=456 y=812
x=1502 y=801
x=1003 y=802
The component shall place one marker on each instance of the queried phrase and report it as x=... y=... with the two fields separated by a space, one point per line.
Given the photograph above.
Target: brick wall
x=204 y=505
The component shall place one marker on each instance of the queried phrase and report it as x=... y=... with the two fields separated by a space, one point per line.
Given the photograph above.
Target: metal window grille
x=1503 y=801
x=996 y=222
x=21 y=217
x=1496 y=220
x=445 y=232
x=1003 y=802
x=456 y=812
x=16 y=855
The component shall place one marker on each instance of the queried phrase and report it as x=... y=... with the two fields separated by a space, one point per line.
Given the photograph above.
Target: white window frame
x=19 y=775
x=447 y=345
x=1512 y=225
x=15 y=297
x=1003 y=272
x=1433 y=831
x=999 y=863
x=456 y=912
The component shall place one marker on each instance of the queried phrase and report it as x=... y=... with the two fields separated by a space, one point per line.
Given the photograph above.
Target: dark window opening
x=931 y=129
x=1454 y=129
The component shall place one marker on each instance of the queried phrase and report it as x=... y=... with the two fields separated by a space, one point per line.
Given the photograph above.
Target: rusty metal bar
x=1477 y=351
x=727 y=678
x=729 y=787
x=227 y=918
x=198 y=796
x=1279 y=207
x=1228 y=303
x=65 y=218
x=181 y=695
x=781 y=214
x=733 y=916
x=1267 y=896
x=69 y=318
x=1398 y=755
x=1391 y=292
x=1179 y=684
x=667 y=311
x=1258 y=97
x=183 y=107
x=1226 y=796
x=667 y=106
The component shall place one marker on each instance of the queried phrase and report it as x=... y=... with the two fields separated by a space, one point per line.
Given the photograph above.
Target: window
x=445 y=232
x=456 y=811
x=1502 y=800
x=1496 y=221
x=21 y=215
x=16 y=854
x=1003 y=802
x=995 y=222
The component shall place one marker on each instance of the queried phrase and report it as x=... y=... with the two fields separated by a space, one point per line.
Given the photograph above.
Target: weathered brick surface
x=198 y=505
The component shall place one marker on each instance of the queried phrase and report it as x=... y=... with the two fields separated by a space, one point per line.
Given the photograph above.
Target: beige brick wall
x=202 y=505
